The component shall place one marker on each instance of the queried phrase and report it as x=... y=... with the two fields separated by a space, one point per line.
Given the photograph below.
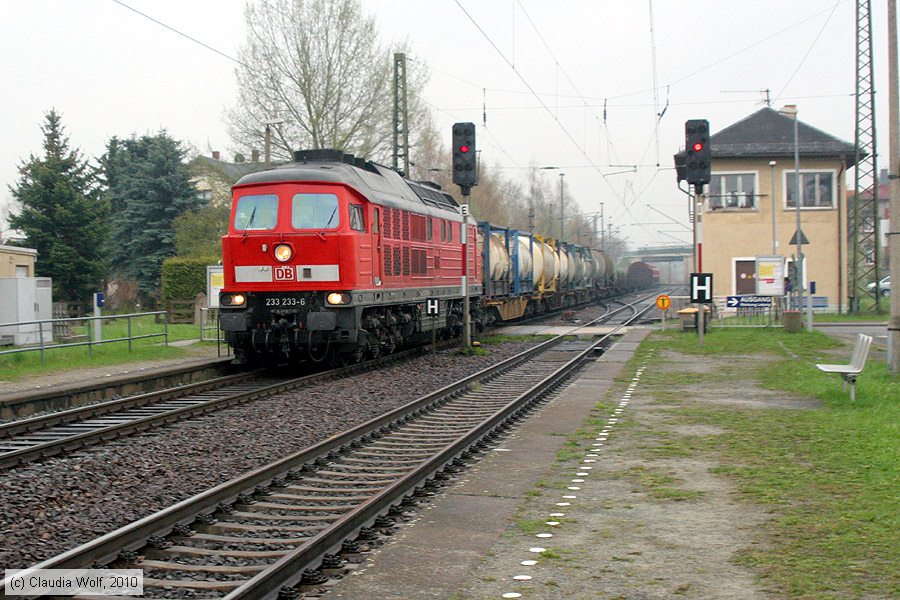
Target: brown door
x=745 y=277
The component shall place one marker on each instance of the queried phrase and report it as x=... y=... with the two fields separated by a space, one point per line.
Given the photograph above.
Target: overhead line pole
x=894 y=166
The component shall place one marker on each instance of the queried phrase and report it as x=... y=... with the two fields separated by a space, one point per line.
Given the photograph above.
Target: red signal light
x=463 y=149
x=698 y=147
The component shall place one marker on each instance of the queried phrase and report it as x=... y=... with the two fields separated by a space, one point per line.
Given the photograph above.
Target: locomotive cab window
x=256 y=213
x=357 y=222
x=314 y=211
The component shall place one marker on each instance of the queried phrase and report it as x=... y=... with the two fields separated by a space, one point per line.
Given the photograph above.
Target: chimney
x=216 y=155
x=254 y=156
x=789 y=110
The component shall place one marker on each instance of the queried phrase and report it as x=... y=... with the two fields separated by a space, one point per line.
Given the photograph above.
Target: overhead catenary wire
x=544 y=104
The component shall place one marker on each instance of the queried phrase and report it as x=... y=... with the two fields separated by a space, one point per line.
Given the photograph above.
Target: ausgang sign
x=748 y=301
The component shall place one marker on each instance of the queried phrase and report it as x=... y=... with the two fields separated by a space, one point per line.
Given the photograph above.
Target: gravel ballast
x=50 y=507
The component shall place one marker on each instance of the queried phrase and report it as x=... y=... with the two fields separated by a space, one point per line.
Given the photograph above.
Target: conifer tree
x=63 y=215
x=149 y=186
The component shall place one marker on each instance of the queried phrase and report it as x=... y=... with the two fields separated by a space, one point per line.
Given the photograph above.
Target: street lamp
x=561 y=209
x=562 y=216
x=268 y=125
x=772 y=164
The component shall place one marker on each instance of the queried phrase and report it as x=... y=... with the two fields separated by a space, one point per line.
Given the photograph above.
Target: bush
x=184 y=277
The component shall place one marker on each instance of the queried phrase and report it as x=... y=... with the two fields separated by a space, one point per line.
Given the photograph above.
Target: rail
x=42 y=346
x=289 y=567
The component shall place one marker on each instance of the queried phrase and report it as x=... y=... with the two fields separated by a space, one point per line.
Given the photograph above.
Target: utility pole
x=562 y=177
x=894 y=165
x=602 y=236
x=864 y=218
x=772 y=164
x=267 y=150
x=401 y=116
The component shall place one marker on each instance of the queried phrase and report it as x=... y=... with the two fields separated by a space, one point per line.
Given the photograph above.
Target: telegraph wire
x=184 y=35
x=546 y=108
x=805 y=56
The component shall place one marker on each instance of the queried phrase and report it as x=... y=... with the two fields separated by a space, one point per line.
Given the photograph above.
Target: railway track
x=260 y=535
x=18 y=405
x=58 y=433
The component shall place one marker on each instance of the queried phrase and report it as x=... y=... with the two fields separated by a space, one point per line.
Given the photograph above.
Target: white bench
x=857 y=362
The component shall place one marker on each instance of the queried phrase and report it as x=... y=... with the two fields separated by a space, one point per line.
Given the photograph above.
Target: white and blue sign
x=748 y=301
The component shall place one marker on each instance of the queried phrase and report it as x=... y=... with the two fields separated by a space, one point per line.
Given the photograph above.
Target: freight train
x=335 y=257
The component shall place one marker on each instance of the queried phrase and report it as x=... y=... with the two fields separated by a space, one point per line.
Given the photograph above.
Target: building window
x=732 y=191
x=817 y=186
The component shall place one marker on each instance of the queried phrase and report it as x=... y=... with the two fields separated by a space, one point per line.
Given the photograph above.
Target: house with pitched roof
x=750 y=205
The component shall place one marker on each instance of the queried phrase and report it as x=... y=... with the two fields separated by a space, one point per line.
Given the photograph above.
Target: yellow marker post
x=663 y=302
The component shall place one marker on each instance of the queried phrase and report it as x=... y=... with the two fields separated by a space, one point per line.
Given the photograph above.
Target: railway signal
x=465 y=171
x=698 y=155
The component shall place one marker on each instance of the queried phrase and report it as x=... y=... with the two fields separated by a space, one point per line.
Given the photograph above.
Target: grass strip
x=830 y=475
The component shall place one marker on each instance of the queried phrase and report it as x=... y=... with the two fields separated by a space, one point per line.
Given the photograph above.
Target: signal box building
x=753 y=180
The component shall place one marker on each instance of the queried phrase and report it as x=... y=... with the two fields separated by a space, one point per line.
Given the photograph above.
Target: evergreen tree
x=63 y=216
x=149 y=186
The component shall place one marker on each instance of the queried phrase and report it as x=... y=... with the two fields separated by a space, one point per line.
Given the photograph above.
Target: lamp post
x=269 y=125
x=772 y=164
x=562 y=216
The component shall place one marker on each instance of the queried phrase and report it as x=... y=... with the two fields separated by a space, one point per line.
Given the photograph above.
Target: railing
x=210 y=330
x=48 y=324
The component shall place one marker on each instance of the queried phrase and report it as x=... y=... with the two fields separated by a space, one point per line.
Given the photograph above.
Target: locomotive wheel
x=357 y=354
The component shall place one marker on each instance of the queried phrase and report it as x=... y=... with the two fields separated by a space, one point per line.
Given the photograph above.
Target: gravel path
x=52 y=506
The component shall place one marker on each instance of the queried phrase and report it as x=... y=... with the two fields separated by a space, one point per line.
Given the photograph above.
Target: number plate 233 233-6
x=285 y=302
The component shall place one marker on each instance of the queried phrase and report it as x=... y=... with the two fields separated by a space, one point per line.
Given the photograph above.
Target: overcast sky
x=540 y=72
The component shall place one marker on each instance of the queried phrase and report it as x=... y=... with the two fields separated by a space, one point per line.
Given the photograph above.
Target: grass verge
x=830 y=475
x=14 y=367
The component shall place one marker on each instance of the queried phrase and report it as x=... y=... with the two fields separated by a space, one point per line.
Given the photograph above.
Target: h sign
x=432 y=307
x=701 y=288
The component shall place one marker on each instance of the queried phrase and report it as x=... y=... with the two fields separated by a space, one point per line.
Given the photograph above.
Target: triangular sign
x=803 y=239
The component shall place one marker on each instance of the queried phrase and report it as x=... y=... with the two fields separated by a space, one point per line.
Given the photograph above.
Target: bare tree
x=318 y=65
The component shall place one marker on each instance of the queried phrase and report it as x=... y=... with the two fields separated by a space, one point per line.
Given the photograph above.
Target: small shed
x=16 y=261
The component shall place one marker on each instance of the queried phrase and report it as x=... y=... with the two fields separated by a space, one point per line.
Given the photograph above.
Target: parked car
x=884 y=286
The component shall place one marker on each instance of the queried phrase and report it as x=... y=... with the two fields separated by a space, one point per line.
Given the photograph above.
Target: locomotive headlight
x=283 y=252
x=232 y=300
x=335 y=298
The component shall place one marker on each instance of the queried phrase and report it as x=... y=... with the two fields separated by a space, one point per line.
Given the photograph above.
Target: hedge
x=184 y=277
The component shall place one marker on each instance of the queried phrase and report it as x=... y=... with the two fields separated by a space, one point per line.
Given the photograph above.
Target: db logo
x=285 y=273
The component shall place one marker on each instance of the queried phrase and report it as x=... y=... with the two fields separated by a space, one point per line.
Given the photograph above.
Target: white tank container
x=565 y=269
x=537 y=272
x=499 y=258
x=526 y=264
x=600 y=274
x=551 y=264
x=578 y=271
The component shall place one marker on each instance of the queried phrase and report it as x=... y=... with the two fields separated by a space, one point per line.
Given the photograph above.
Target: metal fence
x=86 y=339
x=210 y=330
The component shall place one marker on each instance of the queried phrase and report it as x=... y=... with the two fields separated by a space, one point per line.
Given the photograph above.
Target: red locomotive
x=332 y=256
x=335 y=256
